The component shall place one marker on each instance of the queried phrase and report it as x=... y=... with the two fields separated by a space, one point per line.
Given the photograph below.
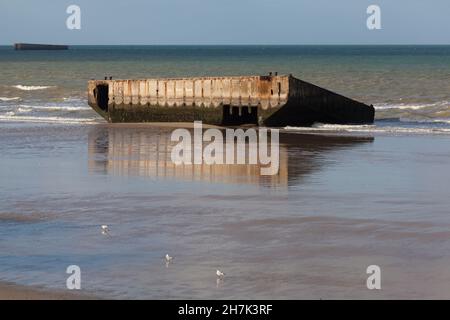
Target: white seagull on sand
x=220 y=274
x=105 y=229
x=168 y=258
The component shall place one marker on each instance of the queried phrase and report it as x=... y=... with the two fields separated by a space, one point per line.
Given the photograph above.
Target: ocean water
x=345 y=197
x=408 y=85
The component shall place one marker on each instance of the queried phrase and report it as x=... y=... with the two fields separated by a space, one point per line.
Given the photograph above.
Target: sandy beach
x=340 y=203
x=9 y=291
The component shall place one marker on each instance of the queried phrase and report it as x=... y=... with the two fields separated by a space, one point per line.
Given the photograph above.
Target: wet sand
x=9 y=291
x=339 y=204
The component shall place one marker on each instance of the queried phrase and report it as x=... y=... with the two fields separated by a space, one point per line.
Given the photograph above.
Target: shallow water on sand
x=339 y=204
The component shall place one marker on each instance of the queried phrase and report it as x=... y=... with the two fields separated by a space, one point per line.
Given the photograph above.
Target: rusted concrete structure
x=33 y=46
x=259 y=100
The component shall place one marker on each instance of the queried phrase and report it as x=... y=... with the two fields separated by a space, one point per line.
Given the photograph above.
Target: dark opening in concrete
x=101 y=95
x=239 y=115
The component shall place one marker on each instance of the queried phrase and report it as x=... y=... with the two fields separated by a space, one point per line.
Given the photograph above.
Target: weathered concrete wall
x=309 y=103
x=208 y=92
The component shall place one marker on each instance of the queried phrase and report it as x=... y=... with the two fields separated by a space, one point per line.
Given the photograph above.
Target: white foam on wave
x=55 y=108
x=64 y=108
x=332 y=127
x=23 y=109
x=72 y=98
x=441 y=121
x=368 y=129
x=31 y=88
x=425 y=121
x=11 y=116
x=9 y=99
x=405 y=106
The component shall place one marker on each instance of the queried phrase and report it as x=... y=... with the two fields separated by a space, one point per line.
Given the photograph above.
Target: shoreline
x=322 y=129
x=11 y=291
x=339 y=205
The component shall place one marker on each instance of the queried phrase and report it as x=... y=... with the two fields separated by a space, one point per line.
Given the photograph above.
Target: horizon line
x=242 y=44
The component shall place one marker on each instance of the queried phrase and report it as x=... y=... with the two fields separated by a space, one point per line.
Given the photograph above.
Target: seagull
x=169 y=260
x=105 y=229
x=220 y=274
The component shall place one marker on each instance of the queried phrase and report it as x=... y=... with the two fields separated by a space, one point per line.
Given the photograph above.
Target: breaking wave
x=411 y=106
x=31 y=88
x=28 y=108
x=17 y=118
x=417 y=108
x=436 y=112
x=5 y=99
x=70 y=110
x=390 y=126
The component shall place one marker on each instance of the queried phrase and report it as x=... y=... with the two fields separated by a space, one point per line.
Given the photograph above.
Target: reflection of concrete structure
x=258 y=100
x=145 y=151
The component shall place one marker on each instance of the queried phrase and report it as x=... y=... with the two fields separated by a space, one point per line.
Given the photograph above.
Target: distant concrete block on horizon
x=33 y=46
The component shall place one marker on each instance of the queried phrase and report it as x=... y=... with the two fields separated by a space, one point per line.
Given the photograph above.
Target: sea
x=408 y=85
x=345 y=198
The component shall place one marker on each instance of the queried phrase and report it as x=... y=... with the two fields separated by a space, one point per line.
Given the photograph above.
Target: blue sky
x=225 y=22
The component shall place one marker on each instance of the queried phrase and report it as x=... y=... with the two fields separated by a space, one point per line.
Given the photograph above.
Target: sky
x=154 y=22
